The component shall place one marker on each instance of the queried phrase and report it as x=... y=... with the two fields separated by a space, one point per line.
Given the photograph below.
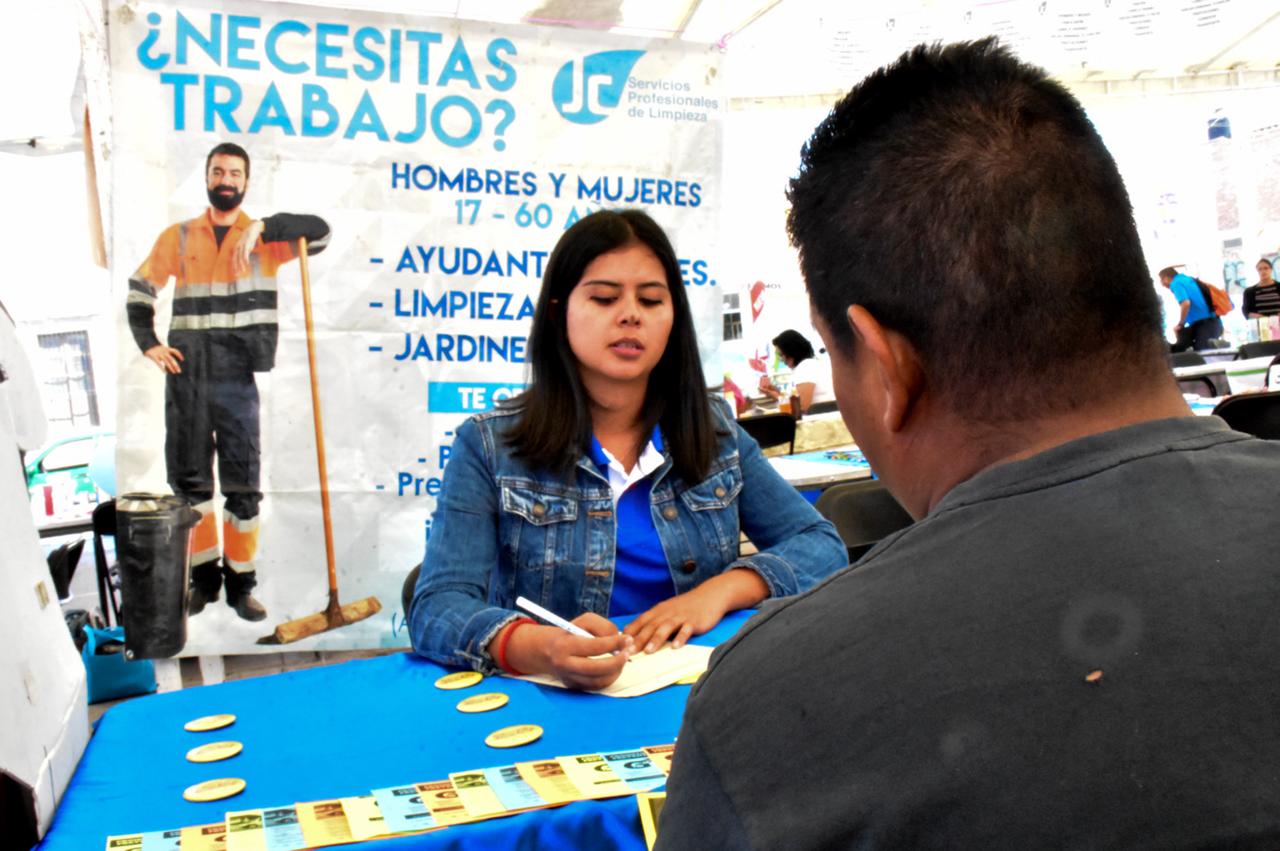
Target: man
x=223 y=331
x=1198 y=326
x=1075 y=645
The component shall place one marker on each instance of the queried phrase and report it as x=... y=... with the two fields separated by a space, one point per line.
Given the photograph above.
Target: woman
x=611 y=487
x=810 y=378
x=1263 y=298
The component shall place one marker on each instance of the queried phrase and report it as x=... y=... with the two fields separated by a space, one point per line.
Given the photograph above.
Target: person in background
x=1050 y=657
x=1198 y=326
x=810 y=377
x=611 y=487
x=1263 y=298
x=222 y=333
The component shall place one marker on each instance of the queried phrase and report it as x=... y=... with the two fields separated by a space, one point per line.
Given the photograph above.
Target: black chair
x=772 y=430
x=62 y=566
x=863 y=514
x=1187 y=358
x=1258 y=350
x=1201 y=384
x=104 y=524
x=1252 y=413
x=406 y=590
x=826 y=407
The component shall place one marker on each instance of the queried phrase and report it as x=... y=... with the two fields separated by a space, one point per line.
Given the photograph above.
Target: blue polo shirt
x=1184 y=288
x=641 y=577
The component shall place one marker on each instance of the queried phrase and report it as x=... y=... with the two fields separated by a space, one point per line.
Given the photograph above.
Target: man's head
x=226 y=173
x=962 y=201
x=1167 y=274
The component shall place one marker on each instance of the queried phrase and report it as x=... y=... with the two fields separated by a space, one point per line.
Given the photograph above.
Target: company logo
x=585 y=91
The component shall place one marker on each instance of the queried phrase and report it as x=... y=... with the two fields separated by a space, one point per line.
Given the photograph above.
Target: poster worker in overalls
x=223 y=330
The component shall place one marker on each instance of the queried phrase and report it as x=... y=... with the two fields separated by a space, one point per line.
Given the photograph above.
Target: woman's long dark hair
x=793 y=345
x=554 y=425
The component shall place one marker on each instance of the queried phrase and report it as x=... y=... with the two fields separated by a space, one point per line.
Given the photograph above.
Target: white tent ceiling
x=788 y=49
x=819 y=46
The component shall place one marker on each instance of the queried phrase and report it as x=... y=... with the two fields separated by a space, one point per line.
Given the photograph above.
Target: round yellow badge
x=214 y=751
x=512 y=737
x=483 y=702
x=214 y=790
x=209 y=722
x=462 y=679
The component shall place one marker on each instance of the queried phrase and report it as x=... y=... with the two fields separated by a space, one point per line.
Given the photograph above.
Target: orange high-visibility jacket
x=210 y=304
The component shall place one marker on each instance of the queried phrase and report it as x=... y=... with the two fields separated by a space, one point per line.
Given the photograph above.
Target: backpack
x=1216 y=297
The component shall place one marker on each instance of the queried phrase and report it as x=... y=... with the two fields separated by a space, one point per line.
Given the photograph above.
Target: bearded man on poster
x=223 y=331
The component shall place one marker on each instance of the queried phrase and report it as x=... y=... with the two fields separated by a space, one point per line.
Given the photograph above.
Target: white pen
x=551 y=617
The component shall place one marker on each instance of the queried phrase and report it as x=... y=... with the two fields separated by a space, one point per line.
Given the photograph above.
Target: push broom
x=336 y=615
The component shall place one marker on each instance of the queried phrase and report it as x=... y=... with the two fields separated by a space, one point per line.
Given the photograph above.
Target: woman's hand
x=694 y=612
x=585 y=663
x=767 y=387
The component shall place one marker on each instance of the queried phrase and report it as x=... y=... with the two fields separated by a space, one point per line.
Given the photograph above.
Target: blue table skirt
x=346 y=729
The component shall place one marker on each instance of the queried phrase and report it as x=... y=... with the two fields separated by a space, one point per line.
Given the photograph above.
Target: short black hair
x=554 y=427
x=1265 y=260
x=963 y=198
x=229 y=149
x=793 y=345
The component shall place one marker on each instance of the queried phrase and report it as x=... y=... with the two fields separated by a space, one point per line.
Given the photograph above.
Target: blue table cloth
x=347 y=729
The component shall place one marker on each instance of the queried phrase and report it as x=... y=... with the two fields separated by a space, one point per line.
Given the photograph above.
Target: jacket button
x=689 y=566
x=539 y=509
x=670 y=512
x=720 y=492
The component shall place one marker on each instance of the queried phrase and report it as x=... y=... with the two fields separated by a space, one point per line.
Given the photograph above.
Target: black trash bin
x=152 y=531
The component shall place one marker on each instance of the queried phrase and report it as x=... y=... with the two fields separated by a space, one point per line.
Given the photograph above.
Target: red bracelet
x=500 y=654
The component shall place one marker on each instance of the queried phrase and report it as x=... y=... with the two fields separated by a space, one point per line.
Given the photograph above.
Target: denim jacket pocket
x=538 y=505
x=717 y=491
x=713 y=511
x=537 y=529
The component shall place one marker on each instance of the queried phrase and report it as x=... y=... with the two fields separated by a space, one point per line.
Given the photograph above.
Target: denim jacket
x=503 y=529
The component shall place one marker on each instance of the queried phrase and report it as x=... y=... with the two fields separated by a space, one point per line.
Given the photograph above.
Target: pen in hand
x=552 y=618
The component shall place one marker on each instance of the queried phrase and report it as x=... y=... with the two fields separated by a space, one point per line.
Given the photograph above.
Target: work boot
x=206 y=582
x=238 y=597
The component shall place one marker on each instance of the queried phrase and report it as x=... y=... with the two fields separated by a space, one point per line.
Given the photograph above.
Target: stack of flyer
x=462 y=797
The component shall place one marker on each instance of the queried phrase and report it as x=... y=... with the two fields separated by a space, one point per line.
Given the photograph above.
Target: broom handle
x=315 y=412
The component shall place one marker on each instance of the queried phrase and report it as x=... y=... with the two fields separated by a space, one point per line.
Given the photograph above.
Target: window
x=732 y=317
x=66 y=370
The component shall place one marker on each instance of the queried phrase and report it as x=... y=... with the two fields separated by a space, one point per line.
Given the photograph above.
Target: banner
x=434 y=163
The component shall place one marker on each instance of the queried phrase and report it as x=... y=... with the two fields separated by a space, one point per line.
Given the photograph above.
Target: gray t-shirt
x=1081 y=649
